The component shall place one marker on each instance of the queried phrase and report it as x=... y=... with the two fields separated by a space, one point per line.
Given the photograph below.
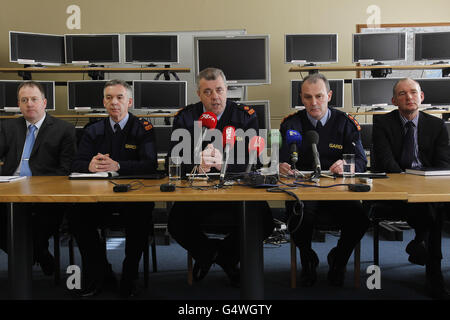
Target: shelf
x=88 y=69
x=368 y=68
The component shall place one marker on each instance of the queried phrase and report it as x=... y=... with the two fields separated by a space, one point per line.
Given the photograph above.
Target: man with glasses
x=36 y=144
x=187 y=220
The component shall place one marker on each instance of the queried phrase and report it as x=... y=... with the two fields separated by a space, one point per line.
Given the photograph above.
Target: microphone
x=208 y=121
x=255 y=148
x=313 y=138
x=294 y=141
x=229 y=137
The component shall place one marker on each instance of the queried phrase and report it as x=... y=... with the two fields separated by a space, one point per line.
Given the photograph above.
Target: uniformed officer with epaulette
x=125 y=144
x=187 y=219
x=338 y=134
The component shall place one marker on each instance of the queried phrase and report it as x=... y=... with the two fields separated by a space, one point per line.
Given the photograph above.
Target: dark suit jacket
x=53 y=150
x=387 y=136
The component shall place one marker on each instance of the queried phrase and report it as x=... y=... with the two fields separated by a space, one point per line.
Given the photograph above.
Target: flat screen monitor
x=8 y=95
x=92 y=48
x=85 y=95
x=159 y=95
x=337 y=98
x=36 y=48
x=311 y=48
x=245 y=60
x=162 y=136
x=432 y=46
x=262 y=109
x=436 y=92
x=379 y=47
x=146 y=48
x=373 y=92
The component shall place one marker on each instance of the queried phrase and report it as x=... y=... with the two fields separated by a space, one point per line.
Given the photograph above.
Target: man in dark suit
x=125 y=144
x=408 y=138
x=40 y=145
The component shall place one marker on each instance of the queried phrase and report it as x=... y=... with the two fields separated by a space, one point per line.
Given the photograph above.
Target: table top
x=61 y=189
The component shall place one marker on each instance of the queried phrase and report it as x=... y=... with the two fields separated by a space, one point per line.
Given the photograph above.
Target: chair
x=357 y=262
x=105 y=233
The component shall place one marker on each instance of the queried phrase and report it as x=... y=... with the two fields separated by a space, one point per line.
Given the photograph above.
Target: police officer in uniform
x=187 y=220
x=338 y=134
x=125 y=144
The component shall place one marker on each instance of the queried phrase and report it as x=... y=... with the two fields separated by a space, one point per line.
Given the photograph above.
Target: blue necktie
x=407 y=155
x=29 y=142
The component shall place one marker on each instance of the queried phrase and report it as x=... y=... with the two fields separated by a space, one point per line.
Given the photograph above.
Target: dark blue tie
x=319 y=125
x=117 y=128
x=29 y=143
x=407 y=156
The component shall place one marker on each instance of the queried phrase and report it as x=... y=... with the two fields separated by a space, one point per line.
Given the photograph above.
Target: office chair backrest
x=366 y=135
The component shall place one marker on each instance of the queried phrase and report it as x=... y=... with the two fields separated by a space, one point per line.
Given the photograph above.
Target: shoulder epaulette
x=178 y=111
x=288 y=116
x=146 y=124
x=352 y=118
x=246 y=108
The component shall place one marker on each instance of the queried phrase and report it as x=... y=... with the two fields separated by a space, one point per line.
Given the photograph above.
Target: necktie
x=29 y=142
x=407 y=155
x=117 y=128
x=319 y=125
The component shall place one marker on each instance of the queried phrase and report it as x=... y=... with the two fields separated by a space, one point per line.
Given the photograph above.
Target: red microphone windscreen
x=257 y=143
x=208 y=120
x=229 y=135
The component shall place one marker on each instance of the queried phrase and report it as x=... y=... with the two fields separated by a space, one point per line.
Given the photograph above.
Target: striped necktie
x=407 y=155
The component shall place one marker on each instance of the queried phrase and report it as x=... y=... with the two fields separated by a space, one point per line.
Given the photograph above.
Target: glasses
x=209 y=92
x=32 y=99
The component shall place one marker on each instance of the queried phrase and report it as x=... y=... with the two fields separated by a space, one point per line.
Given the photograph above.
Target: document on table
x=11 y=178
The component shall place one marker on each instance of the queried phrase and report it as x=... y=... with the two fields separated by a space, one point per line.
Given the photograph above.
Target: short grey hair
x=210 y=74
x=401 y=80
x=118 y=82
x=314 y=77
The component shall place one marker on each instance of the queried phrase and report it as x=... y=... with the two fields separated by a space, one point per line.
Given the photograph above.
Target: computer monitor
x=337 y=98
x=36 y=48
x=311 y=48
x=379 y=47
x=162 y=138
x=159 y=95
x=85 y=95
x=244 y=59
x=436 y=92
x=151 y=48
x=92 y=48
x=262 y=109
x=432 y=46
x=8 y=95
x=373 y=92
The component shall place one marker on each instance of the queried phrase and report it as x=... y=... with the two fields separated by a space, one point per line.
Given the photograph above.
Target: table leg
x=20 y=256
x=252 y=262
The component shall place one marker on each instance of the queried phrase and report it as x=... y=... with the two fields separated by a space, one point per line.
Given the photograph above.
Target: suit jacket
x=387 y=137
x=53 y=150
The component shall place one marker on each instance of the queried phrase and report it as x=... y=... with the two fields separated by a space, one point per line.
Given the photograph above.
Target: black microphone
x=294 y=140
x=313 y=137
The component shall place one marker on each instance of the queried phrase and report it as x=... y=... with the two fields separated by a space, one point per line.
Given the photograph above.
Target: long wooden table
x=62 y=190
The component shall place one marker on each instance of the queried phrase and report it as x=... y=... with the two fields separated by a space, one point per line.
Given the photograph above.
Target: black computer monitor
x=311 y=48
x=159 y=95
x=373 y=92
x=85 y=95
x=36 y=48
x=8 y=94
x=162 y=139
x=151 y=48
x=262 y=109
x=244 y=59
x=92 y=48
x=436 y=92
x=379 y=47
x=337 y=98
x=432 y=46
